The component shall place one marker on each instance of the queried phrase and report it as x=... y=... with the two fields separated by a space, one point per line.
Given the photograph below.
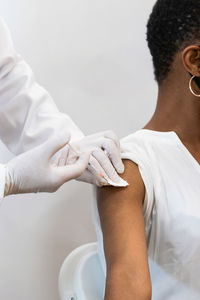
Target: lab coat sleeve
x=28 y=115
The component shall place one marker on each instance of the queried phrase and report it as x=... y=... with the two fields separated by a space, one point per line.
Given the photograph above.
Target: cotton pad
x=121 y=183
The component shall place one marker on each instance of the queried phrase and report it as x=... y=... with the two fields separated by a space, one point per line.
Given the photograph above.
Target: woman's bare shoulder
x=135 y=187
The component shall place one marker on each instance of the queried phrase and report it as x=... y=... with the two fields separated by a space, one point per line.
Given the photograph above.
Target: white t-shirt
x=171 y=176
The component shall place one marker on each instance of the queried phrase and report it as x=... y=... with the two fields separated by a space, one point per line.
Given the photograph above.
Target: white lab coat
x=28 y=114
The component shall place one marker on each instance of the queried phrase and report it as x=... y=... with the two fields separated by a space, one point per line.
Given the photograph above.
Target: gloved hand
x=105 y=160
x=33 y=171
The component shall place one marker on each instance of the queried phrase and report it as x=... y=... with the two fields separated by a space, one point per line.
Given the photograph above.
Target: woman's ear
x=191 y=60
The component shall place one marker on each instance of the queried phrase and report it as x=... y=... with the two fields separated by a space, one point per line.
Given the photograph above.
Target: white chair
x=81 y=276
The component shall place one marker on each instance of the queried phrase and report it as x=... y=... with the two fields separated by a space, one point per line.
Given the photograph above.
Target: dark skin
x=120 y=209
x=177 y=109
x=122 y=222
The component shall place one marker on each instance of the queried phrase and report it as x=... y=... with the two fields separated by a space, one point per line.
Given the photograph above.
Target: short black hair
x=172 y=26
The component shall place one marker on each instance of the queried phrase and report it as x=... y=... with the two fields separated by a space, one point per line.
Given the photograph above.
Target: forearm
x=123 y=283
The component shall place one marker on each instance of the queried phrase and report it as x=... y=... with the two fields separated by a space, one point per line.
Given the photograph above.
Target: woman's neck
x=178 y=110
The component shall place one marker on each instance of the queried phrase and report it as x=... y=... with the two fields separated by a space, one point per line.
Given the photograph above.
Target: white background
x=93 y=58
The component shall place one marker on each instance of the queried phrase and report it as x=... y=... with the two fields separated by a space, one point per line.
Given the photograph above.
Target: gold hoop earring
x=190 y=87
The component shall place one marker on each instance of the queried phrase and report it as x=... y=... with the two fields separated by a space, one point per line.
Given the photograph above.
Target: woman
x=151 y=229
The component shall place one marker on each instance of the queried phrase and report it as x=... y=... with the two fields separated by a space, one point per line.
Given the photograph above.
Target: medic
x=49 y=148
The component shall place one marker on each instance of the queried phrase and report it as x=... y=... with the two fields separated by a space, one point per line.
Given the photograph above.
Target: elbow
x=123 y=283
x=142 y=287
x=145 y=293
x=141 y=290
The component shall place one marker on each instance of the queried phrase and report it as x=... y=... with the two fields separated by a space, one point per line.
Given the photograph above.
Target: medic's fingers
x=111 y=135
x=55 y=143
x=61 y=156
x=113 y=154
x=88 y=177
x=69 y=172
x=107 y=166
x=106 y=134
x=72 y=155
x=62 y=159
x=97 y=171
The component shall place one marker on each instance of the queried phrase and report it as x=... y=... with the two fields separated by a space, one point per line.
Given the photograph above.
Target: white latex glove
x=105 y=160
x=33 y=171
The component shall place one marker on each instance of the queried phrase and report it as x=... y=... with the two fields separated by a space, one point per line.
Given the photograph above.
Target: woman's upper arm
x=122 y=222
